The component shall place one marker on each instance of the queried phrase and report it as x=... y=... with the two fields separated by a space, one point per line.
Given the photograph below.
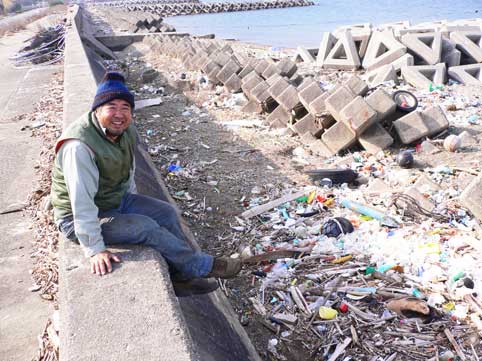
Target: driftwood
x=253 y=212
x=271 y=256
x=454 y=343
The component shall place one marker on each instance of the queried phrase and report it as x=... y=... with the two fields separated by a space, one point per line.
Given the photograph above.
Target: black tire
x=402 y=96
x=337 y=176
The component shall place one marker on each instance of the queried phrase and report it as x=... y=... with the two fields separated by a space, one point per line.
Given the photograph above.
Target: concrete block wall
x=130 y=313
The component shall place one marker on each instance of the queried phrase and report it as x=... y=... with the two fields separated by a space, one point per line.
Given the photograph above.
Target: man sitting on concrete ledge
x=93 y=192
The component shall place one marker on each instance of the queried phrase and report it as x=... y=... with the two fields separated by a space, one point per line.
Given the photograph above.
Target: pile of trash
x=377 y=261
x=362 y=266
x=46 y=47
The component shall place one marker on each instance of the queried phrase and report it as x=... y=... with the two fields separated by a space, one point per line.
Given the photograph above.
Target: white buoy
x=452 y=143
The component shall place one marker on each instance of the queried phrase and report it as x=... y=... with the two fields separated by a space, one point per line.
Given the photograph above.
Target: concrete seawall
x=132 y=313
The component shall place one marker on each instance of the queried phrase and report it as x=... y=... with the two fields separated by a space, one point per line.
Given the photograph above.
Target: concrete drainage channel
x=133 y=314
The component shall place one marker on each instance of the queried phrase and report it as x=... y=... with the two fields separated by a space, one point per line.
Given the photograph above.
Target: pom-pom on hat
x=113 y=86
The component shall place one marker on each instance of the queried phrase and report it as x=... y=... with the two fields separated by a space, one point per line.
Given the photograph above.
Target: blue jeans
x=143 y=220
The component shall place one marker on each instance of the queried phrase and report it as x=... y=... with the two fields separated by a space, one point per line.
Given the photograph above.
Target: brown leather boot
x=225 y=267
x=196 y=286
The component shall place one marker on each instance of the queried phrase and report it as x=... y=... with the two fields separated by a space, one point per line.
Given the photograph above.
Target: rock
x=466 y=139
x=419 y=197
x=149 y=75
x=471 y=197
x=377 y=186
x=425 y=185
x=409 y=307
x=428 y=147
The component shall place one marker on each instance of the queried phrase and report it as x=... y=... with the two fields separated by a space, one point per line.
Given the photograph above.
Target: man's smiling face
x=115 y=116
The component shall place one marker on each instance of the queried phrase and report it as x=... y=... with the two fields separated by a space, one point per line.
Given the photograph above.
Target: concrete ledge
x=125 y=315
x=79 y=81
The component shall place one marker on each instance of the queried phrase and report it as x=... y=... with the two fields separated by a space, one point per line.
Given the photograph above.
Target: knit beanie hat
x=112 y=87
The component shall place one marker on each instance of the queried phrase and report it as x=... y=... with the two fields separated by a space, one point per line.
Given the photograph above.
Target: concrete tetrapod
x=356 y=85
x=375 y=139
x=471 y=197
x=422 y=76
x=309 y=93
x=381 y=75
x=338 y=137
x=361 y=39
x=404 y=60
x=427 y=46
x=277 y=88
x=467 y=74
x=358 y=115
x=317 y=107
x=450 y=55
x=411 y=127
x=383 y=49
x=469 y=43
x=287 y=67
x=306 y=124
x=435 y=120
x=289 y=99
x=327 y=43
x=382 y=103
x=304 y=54
x=343 y=55
x=337 y=100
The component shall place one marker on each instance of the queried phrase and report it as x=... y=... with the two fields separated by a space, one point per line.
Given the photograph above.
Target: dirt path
x=22 y=313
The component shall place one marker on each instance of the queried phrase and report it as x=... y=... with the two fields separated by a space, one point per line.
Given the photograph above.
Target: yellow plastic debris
x=311 y=197
x=329 y=202
x=327 y=313
x=430 y=248
x=342 y=259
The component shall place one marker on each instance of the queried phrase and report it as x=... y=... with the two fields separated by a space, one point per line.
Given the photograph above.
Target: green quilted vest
x=113 y=159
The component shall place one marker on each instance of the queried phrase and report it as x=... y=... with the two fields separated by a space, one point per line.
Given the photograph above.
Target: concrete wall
x=132 y=313
x=79 y=81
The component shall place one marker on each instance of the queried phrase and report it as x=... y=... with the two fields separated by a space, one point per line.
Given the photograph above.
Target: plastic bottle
x=452 y=282
x=315 y=305
x=384 y=268
x=473 y=119
x=417 y=293
x=326 y=182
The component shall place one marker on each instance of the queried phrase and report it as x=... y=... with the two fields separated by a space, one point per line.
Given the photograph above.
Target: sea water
x=291 y=27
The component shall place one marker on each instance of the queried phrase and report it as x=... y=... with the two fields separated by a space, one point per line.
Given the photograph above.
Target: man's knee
x=148 y=226
x=138 y=225
x=167 y=214
x=171 y=211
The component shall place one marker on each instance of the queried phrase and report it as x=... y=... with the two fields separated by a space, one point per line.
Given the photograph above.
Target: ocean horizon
x=303 y=26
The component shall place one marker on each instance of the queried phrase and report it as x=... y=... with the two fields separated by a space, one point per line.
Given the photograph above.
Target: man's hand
x=100 y=263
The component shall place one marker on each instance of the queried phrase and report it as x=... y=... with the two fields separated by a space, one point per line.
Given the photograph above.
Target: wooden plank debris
x=253 y=212
x=454 y=343
x=340 y=348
